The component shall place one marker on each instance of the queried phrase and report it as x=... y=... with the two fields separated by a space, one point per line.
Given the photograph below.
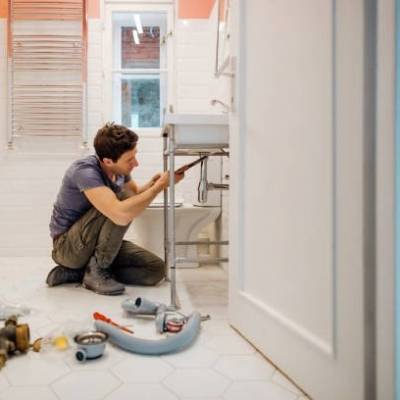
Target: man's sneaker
x=59 y=275
x=101 y=281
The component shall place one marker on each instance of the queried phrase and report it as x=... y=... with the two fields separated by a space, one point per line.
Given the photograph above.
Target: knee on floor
x=158 y=272
x=149 y=275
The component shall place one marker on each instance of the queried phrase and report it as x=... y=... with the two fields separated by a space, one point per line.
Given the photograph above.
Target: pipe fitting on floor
x=14 y=338
x=142 y=306
x=171 y=344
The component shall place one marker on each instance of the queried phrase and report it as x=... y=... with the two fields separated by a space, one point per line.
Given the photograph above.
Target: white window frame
x=132 y=7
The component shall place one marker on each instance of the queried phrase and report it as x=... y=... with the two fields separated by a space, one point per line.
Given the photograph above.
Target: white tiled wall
x=195 y=66
x=194 y=83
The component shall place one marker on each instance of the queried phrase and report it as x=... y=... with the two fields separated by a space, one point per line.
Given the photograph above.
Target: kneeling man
x=96 y=203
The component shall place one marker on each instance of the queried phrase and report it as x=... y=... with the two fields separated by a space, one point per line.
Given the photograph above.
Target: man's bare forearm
x=134 y=205
x=145 y=187
x=149 y=184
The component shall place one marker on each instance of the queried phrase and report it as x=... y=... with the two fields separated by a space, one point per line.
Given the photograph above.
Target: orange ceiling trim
x=195 y=9
x=3 y=8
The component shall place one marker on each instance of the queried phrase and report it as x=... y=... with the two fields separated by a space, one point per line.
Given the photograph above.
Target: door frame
x=387 y=217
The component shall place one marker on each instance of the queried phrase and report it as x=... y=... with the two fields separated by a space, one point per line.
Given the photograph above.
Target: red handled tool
x=101 y=317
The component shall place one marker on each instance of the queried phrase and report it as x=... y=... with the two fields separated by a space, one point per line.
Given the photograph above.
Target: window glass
x=141 y=101
x=139 y=97
x=146 y=54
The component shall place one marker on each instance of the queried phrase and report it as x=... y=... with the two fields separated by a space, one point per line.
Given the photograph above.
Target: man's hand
x=149 y=184
x=154 y=179
x=163 y=180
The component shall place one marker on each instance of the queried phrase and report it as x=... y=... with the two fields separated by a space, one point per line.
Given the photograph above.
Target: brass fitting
x=14 y=338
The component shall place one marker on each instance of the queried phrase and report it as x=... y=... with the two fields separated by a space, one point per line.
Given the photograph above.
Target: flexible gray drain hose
x=170 y=344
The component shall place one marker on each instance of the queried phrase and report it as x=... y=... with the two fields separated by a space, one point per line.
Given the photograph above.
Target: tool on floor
x=14 y=338
x=91 y=345
x=101 y=317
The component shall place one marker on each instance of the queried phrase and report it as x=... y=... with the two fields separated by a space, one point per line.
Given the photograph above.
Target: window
x=139 y=68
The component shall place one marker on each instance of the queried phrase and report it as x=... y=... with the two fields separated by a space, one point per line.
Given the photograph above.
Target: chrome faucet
x=216 y=101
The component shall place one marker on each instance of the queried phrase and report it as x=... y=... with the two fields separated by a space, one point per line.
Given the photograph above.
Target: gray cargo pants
x=96 y=235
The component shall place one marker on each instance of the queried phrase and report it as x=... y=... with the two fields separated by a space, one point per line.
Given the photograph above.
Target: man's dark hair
x=113 y=140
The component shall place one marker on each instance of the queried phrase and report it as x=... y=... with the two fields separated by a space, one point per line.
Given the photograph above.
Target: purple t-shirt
x=71 y=202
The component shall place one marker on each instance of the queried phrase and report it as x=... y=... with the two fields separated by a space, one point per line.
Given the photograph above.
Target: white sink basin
x=198 y=130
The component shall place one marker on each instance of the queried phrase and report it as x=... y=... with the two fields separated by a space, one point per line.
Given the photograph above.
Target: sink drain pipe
x=171 y=344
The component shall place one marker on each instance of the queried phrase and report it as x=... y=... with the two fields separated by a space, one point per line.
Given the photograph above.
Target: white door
x=300 y=287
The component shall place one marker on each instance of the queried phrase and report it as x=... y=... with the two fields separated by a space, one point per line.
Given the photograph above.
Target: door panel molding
x=292 y=327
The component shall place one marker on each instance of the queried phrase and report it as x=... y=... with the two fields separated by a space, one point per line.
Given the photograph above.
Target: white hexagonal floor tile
x=33 y=369
x=142 y=369
x=203 y=337
x=197 y=383
x=218 y=327
x=215 y=311
x=201 y=398
x=36 y=321
x=257 y=390
x=28 y=392
x=210 y=293
x=110 y=357
x=229 y=344
x=3 y=382
x=195 y=356
x=88 y=385
x=219 y=365
x=142 y=391
x=281 y=380
x=245 y=367
x=203 y=274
